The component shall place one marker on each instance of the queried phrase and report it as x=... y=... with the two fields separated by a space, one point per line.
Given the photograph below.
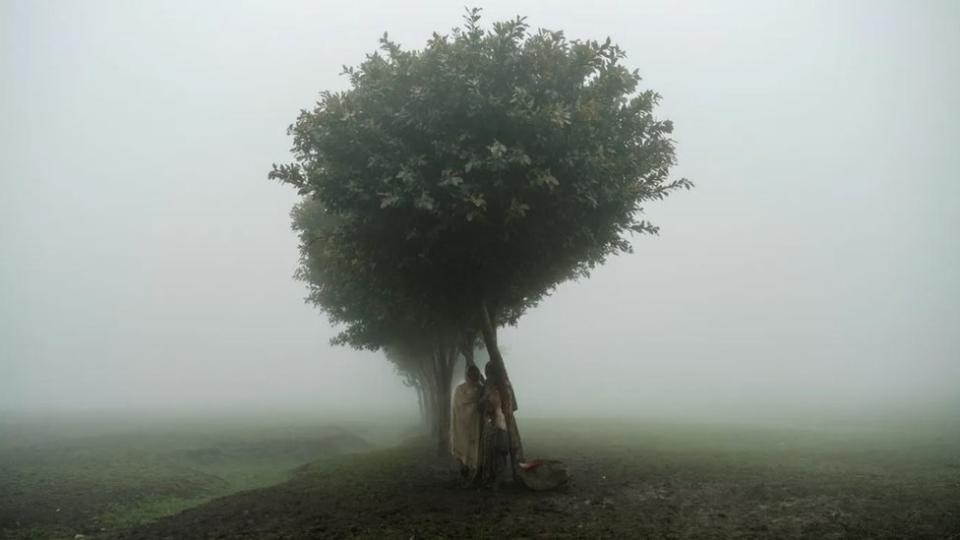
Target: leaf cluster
x=491 y=165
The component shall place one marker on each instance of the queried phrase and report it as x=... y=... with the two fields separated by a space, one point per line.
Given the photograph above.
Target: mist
x=813 y=272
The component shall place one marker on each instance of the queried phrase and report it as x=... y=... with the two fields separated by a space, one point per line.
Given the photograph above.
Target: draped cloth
x=493 y=437
x=466 y=420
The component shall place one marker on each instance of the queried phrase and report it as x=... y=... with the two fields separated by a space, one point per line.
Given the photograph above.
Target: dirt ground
x=628 y=482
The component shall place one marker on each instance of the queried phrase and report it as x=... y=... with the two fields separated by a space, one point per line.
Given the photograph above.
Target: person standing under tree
x=494 y=441
x=466 y=419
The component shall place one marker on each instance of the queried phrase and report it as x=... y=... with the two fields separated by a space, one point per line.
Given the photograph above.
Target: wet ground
x=630 y=479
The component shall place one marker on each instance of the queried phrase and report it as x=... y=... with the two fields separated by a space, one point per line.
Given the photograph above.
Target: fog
x=146 y=262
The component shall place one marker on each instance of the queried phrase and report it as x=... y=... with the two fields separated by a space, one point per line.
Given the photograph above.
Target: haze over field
x=146 y=261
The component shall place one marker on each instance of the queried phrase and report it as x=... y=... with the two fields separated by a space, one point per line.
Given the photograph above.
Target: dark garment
x=494 y=447
x=503 y=441
x=495 y=441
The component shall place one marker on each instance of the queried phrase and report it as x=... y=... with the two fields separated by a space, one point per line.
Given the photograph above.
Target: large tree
x=476 y=174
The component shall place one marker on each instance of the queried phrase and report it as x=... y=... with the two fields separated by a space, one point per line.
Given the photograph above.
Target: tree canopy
x=487 y=167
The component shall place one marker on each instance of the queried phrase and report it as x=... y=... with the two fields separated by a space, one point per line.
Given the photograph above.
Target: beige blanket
x=465 y=429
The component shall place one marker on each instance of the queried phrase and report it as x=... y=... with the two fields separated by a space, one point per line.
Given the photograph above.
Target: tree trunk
x=423 y=406
x=429 y=398
x=467 y=348
x=444 y=358
x=489 y=331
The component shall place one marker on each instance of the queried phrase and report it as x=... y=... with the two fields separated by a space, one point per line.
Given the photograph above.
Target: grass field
x=62 y=478
x=354 y=479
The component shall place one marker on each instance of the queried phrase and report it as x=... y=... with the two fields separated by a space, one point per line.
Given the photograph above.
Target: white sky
x=146 y=262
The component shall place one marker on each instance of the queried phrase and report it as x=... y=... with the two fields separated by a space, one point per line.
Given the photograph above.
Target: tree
x=428 y=368
x=473 y=176
x=422 y=348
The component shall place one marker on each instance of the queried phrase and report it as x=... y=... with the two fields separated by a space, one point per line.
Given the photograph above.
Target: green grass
x=58 y=481
x=118 y=516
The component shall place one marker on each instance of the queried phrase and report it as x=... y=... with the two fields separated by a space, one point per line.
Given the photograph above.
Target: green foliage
x=352 y=290
x=489 y=166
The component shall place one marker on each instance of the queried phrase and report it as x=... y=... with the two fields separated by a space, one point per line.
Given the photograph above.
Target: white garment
x=465 y=420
